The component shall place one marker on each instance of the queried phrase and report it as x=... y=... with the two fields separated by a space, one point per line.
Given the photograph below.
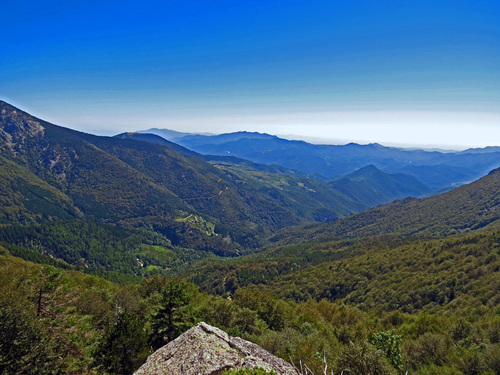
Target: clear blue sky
x=394 y=72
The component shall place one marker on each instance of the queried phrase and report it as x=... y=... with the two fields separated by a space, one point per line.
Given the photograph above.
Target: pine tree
x=124 y=347
x=168 y=320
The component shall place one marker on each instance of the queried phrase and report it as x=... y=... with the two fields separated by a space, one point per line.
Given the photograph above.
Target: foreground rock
x=208 y=350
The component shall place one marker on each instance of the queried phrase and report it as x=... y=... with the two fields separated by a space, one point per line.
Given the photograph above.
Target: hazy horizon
x=406 y=74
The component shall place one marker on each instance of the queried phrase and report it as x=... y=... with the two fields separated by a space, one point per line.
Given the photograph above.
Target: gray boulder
x=208 y=350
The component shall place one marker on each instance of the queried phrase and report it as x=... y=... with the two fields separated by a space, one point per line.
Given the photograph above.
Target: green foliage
x=222 y=276
x=389 y=343
x=27 y=199
x=269 y=309
x=25 y=346
x=445 y=274
x=412 y=304
x=232 y=318
x=124 y=347
x=33 y=255
x=99 y=323
x=360 y=358
x=58 y=330
x=169 y=318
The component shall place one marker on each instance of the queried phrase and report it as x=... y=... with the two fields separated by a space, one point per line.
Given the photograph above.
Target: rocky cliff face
x=208 y=350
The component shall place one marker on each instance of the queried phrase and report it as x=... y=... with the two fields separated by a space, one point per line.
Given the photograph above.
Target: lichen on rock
x=208 y=350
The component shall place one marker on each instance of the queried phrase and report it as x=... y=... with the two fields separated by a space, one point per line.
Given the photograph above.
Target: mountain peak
x=246 y=134
x=368 y=168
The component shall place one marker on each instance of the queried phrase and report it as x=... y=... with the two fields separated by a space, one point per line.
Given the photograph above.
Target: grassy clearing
x=199 y=223
x=161 y=253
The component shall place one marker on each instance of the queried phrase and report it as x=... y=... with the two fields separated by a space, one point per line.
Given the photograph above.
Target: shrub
x=390 y=344
x=361 y=358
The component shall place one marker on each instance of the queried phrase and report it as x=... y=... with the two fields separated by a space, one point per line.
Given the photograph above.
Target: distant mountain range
x=438 y=170
x=364 y=188
x=52 y=173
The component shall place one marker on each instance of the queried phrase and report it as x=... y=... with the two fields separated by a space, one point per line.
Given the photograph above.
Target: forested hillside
x=468 y=208
x=384 y=272
x=371 y=186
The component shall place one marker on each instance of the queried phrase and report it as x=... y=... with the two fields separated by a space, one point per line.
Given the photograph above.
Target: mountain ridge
x=335 y=161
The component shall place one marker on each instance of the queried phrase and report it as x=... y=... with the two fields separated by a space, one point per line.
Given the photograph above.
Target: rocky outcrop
x=16 y=128
x=208 y=350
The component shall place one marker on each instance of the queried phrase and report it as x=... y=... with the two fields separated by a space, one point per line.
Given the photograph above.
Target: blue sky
x=415 y=73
